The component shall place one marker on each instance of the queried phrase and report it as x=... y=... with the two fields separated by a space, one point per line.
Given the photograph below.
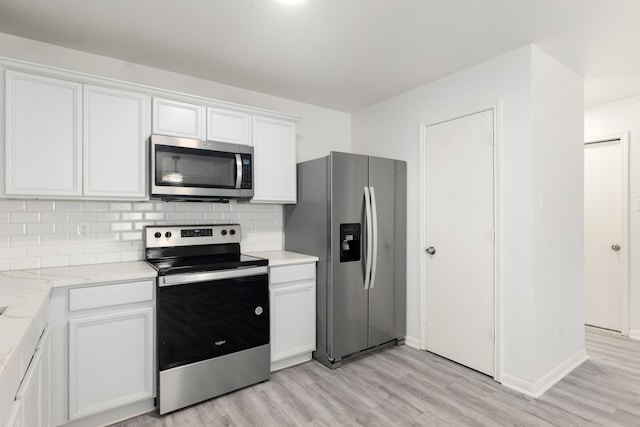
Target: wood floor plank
x=403 y=386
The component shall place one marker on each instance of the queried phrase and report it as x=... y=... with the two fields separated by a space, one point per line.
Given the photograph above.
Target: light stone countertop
x=25 y=293
x=281 y=258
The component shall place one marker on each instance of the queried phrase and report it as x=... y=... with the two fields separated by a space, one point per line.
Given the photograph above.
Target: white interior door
x=459 y=205
x=604 y=246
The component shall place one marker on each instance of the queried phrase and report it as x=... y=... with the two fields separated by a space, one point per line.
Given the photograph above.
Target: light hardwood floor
x=403 y=386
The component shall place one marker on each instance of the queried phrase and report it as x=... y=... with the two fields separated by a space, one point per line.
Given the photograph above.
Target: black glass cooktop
x=180 y=265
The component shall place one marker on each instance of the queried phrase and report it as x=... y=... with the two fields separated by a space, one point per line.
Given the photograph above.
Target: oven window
x=208 y=319
x=190 y=167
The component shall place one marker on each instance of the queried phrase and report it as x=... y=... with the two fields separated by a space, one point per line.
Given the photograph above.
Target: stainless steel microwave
x=190 y=169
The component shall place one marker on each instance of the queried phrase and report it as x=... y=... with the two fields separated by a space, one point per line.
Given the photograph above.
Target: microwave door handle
x=238 y=171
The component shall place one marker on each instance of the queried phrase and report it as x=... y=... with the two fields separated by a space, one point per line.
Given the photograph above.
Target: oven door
x=183 y=168
x=206 y=315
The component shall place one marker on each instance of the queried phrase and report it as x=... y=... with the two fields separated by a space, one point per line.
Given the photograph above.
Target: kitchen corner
x=25 y=294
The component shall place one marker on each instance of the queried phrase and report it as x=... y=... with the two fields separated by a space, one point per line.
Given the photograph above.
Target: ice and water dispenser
x=349 y=242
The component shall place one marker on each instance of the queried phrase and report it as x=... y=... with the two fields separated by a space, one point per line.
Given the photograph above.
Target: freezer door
x=348 y=311
x=387 y=294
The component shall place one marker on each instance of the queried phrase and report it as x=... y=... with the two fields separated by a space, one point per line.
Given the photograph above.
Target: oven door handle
x=183 y=279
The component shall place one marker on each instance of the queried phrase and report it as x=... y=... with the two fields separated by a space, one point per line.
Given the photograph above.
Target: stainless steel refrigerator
x=351 y=214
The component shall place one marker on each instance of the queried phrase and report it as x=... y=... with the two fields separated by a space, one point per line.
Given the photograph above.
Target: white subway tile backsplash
x=144 y=206
x=120 y=206
x=82 y=259
x=40 y=251
x=73 y=249
x=131 y=256
x=66 y=205
x=175 y=216
x=25 y=217
x=107 y=216
x=12 y=252
x=107 y=237
x=54 y=217
x=213 y=216
x=56 y=239
x=121 y=226
x=12 y=205
x=24 y=264
x=41 y=233
x=54 y=261
x=39 y=229
x=153 y=216
x=131 y=216
x=132 y=236
x=12 y=229
x=39 y=205
x=24 y=240
x=66 y=227
x=95 y=206
x=82 y=217
x=92 y=248
x=195 y=216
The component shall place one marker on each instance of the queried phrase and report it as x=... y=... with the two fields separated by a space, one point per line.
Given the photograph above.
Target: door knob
x=431 y=250
x=615 y=247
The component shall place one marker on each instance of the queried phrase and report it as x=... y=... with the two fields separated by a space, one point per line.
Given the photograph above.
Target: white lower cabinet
x=292 y=299
x=33 y=400
x=106 y=358
x=109 y=361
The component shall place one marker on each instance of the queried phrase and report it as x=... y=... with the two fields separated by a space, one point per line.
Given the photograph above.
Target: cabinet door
x=110 y=361
x=44 y=347
x=34 y=393
x=293 y=313
x=115 y=131
x=178 y=118
x=228 y=126
x=274 y=143
x=14 y=415
x=44 y=127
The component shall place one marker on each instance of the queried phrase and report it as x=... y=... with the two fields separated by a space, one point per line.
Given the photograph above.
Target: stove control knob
x=259 y=310
x=232 y=232
x=167 y=234
x=157 y=235
x=223 y=232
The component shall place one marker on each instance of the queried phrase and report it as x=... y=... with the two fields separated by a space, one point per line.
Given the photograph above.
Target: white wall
x=614 y=118
x=558 y=214
x=392 y=129
x=37 y=233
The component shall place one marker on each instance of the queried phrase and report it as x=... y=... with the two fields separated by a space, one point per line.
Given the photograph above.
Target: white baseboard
x=538 y=388
x=412 y=342
x=634 y=334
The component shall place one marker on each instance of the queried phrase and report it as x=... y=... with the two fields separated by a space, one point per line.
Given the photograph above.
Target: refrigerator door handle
x=374 y=220
x=369 y=236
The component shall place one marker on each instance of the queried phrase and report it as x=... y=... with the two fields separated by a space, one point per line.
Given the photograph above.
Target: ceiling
x=341 y=54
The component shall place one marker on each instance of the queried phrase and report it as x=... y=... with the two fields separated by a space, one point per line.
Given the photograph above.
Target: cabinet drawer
x=107 y=295
x=292 y=273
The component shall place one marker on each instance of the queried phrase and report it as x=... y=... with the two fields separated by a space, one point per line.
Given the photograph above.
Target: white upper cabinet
x=228 y=126
x=115 y=131
x=178 y=118
x=66 y=139
x=274 y=144
x=43 y=136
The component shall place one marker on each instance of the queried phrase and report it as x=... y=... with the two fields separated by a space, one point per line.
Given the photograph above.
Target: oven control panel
x=159 y=236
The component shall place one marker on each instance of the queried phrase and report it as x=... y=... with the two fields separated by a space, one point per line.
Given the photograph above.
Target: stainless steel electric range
x=212 y=317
